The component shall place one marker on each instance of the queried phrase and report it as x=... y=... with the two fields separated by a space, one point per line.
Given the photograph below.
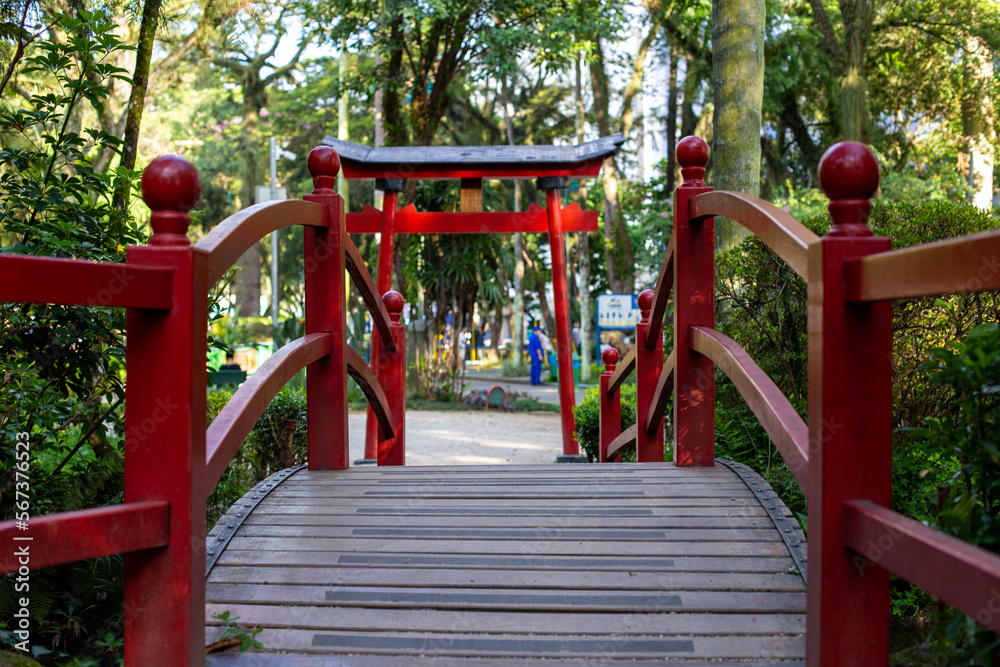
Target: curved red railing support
x=235 y=421
x=661 y=295
x=621 y=370
x=780 y=420
x=228 y=240
x=664 y=388
x=369 y=293
x=782 y=233
x=627 y=438
x=372 y=389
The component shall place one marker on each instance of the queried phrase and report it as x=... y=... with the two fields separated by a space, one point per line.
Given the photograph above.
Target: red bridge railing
x=172 y=462
x=843 y=458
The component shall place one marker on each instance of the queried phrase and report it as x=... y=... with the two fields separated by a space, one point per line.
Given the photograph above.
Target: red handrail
x=842 y=458
x=171 y=461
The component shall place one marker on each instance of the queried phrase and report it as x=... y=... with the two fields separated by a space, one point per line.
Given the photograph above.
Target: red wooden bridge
x=692 y=562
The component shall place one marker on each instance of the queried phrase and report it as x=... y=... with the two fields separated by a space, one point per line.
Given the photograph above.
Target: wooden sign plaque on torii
x=551 y=165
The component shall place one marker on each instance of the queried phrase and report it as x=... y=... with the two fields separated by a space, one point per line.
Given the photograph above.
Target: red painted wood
x=365 y=286
x=326 y=309
x=165 y=433
x=781 y=422
x=234 y=422
x=648 y=367
x=229 y=239
x=27 y=279
x=611 y=405
x=71 y=536
x=372 y=389
x=411 y=221
x=391 y=373
x=171 y=186
x=694 y=304
x=956 y=572
x=444 y=171
x=564 y=343
x=664 y=286
x=386 y=249
x=850 y=428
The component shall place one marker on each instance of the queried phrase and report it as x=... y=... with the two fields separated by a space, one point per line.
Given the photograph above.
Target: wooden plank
x=640 y=493
x=580 y=600
x=513 y=521
x=539 y=579
x=381 y=508
x=732 y=499
x=285 y=659
x=525 y=561
x=487 y=622
x=550 y=547
x=503 y=533
x=516 y=646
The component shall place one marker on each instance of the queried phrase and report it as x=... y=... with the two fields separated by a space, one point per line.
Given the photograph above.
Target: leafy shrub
x=588 y=419
x=762 y=306
x=965 y=464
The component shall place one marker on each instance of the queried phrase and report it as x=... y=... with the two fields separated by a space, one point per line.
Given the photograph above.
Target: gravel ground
x=472 y=437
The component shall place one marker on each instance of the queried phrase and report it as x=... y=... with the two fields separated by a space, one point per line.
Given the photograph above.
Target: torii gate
x=551 y=165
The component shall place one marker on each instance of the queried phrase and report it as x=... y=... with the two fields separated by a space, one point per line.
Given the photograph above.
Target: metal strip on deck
x=539 y=564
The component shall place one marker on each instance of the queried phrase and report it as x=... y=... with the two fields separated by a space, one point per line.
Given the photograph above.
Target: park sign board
x=617 y=311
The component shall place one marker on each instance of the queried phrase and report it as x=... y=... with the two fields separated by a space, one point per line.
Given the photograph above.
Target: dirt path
x=471 y=437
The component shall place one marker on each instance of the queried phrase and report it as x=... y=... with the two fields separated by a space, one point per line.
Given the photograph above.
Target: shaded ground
x=473 y=437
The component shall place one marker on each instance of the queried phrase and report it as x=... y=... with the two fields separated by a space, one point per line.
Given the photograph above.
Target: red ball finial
x=324 y=165
x=646 y=303
x=610 y=358
x=849 y=175
x=394 y=304
x=171 y=187
x=692 y=156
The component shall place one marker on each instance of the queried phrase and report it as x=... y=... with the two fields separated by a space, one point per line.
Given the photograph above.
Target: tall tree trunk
x=977 y=73
x=137 y=97
x=738 y=74
x=247 y=287
x=692 y=82
x=671 y=129
x=620 y=255
x=392 y=107
x=517 y=317
x=583 y=246
x=857 y=16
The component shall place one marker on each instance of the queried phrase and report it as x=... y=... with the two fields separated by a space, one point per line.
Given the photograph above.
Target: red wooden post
x=564 y=342
x=391 y=374
x=648 y=366
x=326 y=308
x=611 y=406
x=694 y=304
x=850 y=422
x=383 y=282
x=165 y=429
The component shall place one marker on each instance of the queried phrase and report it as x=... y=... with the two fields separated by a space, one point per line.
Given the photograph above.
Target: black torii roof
x=444 y=162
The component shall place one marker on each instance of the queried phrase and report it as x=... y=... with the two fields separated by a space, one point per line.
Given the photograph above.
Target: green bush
x=264 y=451
x=588 y=419
x=963 y=460
x=762 y=305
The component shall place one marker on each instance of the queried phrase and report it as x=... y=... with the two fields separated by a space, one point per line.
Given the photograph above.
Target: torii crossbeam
x=551 y=165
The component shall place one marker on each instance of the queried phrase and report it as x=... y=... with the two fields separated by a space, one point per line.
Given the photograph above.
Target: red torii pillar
x=383 y=282
x=564 y=343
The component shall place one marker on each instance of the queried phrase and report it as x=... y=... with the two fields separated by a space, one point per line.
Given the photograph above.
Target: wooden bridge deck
x=559 y=564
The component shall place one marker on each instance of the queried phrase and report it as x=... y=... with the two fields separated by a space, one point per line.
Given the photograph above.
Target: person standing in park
x=536 y=355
